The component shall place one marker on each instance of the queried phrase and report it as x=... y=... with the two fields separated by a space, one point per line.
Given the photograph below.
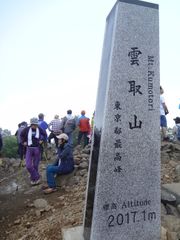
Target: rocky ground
x=27 y=214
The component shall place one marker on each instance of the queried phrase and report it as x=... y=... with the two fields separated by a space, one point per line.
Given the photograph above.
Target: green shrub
x=10 y=147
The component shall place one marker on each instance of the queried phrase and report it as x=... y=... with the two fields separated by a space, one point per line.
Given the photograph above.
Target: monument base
x=75 y=233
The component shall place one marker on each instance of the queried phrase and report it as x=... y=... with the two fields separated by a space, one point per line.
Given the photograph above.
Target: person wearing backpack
x=68 y=125
x=176 y=128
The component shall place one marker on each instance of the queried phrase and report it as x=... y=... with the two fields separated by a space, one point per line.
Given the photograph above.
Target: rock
x=40 y=203
x=167 y=197
x=178 y=208
x=73 y=181
x=86 y=151
x=83 y=165
x=163 y=234
x=47 y=208
x=61 y=198
x=172 y=236
x=165 y=157
x=16 y=163
x=177 y=147
x=84 y=155
x=28 y=224
x=171 y=223
x=62 y=180
x=38 y=213
x=172 y=163
x=173 y=188
x=171 y=210
x=177 y=172
x=17 y=222
x=82 y=172
x=163 y=209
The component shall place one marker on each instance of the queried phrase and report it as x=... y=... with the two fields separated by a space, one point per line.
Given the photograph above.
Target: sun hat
x=177 y=120
x=63 y=136
x=34 y=121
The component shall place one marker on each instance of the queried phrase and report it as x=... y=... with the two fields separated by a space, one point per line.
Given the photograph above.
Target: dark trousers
x=85 y=136
x=21 y=151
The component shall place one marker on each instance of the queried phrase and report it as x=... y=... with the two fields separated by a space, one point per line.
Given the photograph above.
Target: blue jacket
x=65 y=154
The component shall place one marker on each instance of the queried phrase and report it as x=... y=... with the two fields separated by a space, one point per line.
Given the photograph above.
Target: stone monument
x=123 y=196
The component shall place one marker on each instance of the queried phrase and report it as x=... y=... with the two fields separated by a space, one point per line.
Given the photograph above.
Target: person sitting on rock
x=64 y=163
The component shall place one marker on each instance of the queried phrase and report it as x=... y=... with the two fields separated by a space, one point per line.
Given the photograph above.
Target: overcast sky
x=50 y=53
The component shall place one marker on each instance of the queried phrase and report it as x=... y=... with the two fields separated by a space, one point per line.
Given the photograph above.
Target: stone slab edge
x=75 y=233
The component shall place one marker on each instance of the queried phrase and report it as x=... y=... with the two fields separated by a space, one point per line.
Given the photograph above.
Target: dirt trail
x=19 y=219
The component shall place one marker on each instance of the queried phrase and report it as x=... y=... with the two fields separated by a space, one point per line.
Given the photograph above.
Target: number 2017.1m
x=130 y=217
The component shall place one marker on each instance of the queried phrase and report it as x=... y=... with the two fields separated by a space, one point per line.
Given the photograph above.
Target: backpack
x=69 y=125
x=178 y=133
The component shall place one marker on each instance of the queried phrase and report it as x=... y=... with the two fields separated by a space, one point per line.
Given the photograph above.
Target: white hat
x=63 y=136
x=34 y=121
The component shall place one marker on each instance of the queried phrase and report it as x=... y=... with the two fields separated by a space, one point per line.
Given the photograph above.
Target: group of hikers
x=163 y=121
x=33 y=137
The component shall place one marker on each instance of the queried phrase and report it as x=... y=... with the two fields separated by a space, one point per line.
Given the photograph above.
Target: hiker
x=43 y=124
x=84 y=128
x=21 y=147
x=163 y=112
x=32 y=138
x=64 y=163
x=68 y=125
x=55 y=128
x=176 y=129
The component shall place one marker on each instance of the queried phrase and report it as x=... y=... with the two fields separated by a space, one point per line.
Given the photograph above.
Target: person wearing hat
x=176 y=128
x=32 y=138
x=64 y=163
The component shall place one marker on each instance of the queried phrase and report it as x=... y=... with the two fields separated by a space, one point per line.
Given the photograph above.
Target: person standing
x=21 y=147
x=84 y=128
x=55 y=128
x=43 y=124
x=68 y=125
x=32 y=138
x=163 y=112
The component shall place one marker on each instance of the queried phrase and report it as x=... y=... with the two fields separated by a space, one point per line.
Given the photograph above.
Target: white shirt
x=162 y=112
